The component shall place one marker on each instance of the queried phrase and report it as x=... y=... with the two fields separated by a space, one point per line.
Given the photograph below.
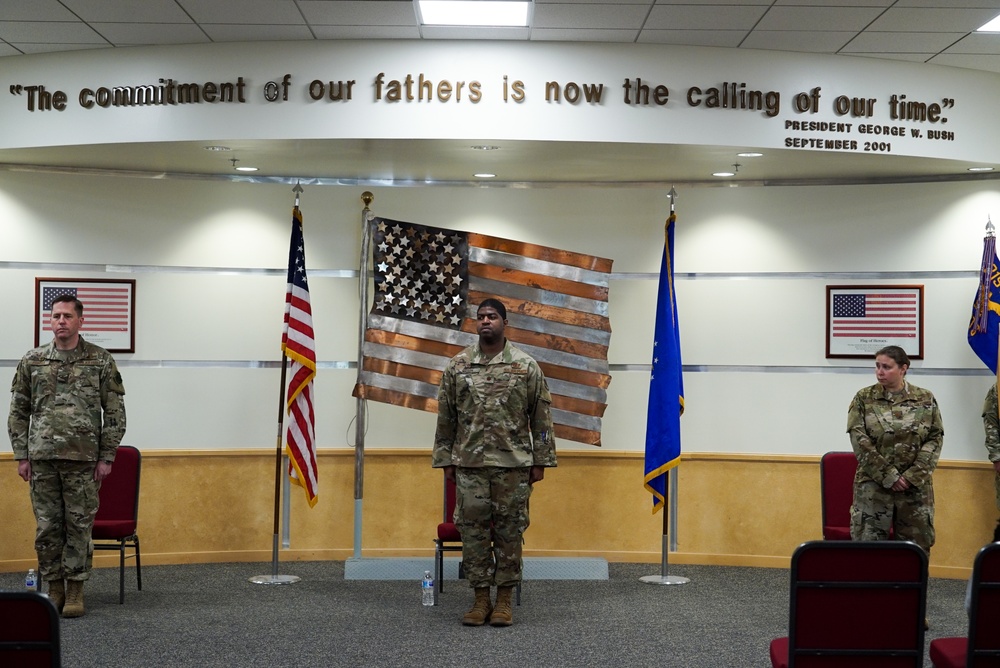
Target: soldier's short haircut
x=494 y=303
x=77 y=304
x=896 y=354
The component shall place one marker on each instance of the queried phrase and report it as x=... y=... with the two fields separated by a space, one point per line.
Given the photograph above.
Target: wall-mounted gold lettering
x=338 y=90
x=423 y=89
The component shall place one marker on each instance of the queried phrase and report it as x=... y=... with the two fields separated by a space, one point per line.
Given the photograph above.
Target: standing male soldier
x=494 y=440
x=67 y=417
x=991 y=423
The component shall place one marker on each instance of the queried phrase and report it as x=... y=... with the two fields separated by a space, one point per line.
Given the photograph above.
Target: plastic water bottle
x=427 y=589
x=31 y=580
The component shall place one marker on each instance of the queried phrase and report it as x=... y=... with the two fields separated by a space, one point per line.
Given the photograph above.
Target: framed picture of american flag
x=861 y=319
x=108 y=310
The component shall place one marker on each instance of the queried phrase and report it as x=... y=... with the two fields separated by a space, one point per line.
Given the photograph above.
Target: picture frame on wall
x=862 y=319
x=108 y=310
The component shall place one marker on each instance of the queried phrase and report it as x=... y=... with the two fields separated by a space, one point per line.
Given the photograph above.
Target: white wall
x=757 y=380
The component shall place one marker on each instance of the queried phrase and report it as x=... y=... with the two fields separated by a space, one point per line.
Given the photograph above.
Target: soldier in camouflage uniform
x=991 y=423
x=67 y=417
x=896 y=433
x=494 y=440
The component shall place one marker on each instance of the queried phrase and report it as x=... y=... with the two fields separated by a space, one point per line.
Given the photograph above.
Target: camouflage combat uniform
x=66 y=413
x=991 y=423
x=493 y=424
x=894 y=434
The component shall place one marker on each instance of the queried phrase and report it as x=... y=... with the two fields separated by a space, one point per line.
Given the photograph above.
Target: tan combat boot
x=74 y=599
x=502 y=613
x=481 y=609
x=57 y=594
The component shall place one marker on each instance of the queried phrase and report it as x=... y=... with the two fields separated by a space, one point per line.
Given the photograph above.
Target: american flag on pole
x=429 y=282
x=106 y=307
x=875 y=314
x=299 y=345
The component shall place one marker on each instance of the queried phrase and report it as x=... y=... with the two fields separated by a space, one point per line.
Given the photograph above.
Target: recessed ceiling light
x=723 y=173
x=505 y=13
x=485 y=147
x=980 y=169
x=246 y=169
x=484 y=175
x=992 y=25
x=749 y=154
x=217 y=148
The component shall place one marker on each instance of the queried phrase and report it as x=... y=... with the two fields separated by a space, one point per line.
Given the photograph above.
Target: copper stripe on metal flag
x=428 y=283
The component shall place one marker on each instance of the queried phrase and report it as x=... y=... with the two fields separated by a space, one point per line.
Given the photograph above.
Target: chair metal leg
x=121 y=572
x=438 y=570
x=138 y=566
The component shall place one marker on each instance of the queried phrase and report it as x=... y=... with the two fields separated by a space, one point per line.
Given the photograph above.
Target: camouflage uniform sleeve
x=920 y=471
x=113 y=407
x=991 y=424
x=870 y=461
x=542 y=437
x=20 y=412
x=444 y=436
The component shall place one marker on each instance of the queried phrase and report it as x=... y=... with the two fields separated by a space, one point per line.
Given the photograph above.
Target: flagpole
x=360 y=426
x=668 y=541
x=274 y=577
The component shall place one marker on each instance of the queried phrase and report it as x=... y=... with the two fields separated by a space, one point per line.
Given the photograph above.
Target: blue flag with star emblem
x=984 y=327
x=666 y=383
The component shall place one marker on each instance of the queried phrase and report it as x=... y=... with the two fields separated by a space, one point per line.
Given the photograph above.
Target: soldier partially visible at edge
x=494 y=440
x=67 y=418
x=896 y=433
x=991 y=424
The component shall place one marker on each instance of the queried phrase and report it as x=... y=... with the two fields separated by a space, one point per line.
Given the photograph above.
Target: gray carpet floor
x=211 y=615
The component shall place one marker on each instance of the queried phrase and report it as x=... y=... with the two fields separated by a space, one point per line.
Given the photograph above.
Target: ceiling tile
x=35 y=10
x=260 y=12
x=696 y=17
x=828 y=3
x=128 y=11
x=46 y=32
x=366 y=32
x=726 y=38
x=582 y=35
x=137 y=34
x=255 y=33
x=948 y=19
x=818 y=19
x=30 y=48
x=456 y=32
x=990 y=63
x=973 y=4
x=8 y=50
x=369 y=13
x=977 y=43
x=798 y=40
x=584 y=16
x=902 y=42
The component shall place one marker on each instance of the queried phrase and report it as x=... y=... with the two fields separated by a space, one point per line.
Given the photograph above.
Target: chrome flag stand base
x=275 y=579
x=664 y=579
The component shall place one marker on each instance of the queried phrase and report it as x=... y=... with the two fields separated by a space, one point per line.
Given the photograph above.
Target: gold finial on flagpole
x=367 y=197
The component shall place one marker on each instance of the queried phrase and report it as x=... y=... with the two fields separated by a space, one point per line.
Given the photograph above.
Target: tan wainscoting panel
x=734 y=509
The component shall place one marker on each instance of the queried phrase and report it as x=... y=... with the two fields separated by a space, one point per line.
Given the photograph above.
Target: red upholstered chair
x=450 y=540
x=837 y=471
x=29 y=630
x=982 y=648
x=118 y=513
x=857 y=604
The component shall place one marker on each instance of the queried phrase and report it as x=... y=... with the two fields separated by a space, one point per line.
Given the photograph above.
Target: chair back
x=29 y=632
x=118 y=511
x=984 y=613
x=837 y=470
x=447 y=531
x=859 y=601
